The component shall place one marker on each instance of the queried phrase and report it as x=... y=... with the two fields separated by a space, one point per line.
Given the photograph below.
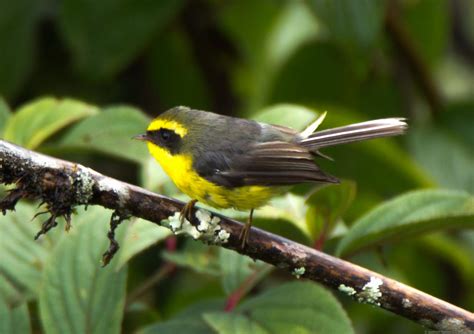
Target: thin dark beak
x=142 y=137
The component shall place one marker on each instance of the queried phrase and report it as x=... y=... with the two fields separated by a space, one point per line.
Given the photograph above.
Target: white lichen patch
x=406 y=303
x=298 y=272
x=205 y=220
x=298 y=253
x=115 y=186
x=181 y=226
x=222 y=237
x=208 y=229
x=371 y=293
x=350 y=291
x=453 y=325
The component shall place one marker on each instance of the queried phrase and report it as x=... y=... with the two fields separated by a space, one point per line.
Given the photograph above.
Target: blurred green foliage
x=70 y=70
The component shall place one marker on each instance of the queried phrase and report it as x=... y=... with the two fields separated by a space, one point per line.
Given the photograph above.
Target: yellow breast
x=179 y=169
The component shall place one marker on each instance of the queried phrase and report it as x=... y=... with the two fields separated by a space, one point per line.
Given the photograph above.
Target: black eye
x=165 y=135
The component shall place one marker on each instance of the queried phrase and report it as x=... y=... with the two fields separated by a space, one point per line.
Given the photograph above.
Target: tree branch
x=63 y=185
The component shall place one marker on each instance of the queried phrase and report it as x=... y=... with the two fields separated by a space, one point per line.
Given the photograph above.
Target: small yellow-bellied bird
x=229 y=162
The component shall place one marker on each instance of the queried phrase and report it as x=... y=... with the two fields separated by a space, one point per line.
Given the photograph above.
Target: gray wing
x=272 y=163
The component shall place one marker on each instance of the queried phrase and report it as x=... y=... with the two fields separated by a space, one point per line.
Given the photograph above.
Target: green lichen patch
x=298 y=272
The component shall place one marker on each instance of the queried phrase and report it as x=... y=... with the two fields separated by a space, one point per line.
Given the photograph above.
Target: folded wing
x=274 y=163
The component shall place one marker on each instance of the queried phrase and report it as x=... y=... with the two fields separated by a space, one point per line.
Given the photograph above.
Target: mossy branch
x=63 y=185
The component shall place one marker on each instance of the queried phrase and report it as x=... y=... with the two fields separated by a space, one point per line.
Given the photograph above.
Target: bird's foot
x=245 y=232
x=187 y=211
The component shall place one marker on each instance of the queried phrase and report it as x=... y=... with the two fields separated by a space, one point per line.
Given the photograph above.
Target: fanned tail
x=385 y=127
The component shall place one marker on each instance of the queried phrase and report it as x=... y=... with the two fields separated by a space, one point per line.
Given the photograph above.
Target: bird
x=230 y=162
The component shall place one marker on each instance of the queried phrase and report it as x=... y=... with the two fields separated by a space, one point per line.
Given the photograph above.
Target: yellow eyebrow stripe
x=169 y=125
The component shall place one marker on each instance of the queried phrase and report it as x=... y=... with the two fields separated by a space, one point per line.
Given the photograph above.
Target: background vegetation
x=80 y=77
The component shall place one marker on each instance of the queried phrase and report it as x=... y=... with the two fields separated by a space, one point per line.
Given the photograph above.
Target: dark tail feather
x=385 y=127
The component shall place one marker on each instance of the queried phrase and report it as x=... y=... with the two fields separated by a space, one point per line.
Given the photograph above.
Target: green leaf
x=22 y=258
x=429 y=26
x=453 y=252
x=36 y=121
x=17 y=24
x=327 y=204
x=297 y=307
x=14 y=319
x=104 y=36
x=446 y=158
x=196 y=256
x=290 y=115
x=267 y=42
x=229 y=323
x=5 y=114
x=140 y=235
x=300 y=307
x=188 y=321
x=110 y=132
x=187 y=325
x=350 y=23
x=285 y=215
x=11 y=295
x=77 y=294
x=407 y=215
x=235 y=268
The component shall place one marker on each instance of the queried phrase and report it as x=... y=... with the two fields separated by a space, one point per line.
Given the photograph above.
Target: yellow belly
x=179 y=169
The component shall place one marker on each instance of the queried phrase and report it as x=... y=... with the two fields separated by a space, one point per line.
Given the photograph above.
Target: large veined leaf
x=140 y=234
x=77 y=294
x=228 y=323
x=235 y=269
x=408 y=215
x=104 y=36
x=22 y=258
x=35 y=122
x=302 y=306
x=110 y=132
x=297 y=307
x=195 y=256
x=188 y=321
x=14 y=319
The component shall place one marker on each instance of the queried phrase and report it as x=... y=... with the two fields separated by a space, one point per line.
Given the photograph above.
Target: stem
x=247 y=285
x=166 y=270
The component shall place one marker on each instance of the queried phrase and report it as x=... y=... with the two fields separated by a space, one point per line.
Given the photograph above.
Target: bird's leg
x=187 y=210
x=244 y=233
